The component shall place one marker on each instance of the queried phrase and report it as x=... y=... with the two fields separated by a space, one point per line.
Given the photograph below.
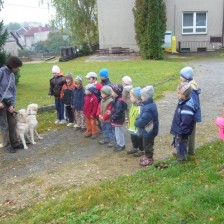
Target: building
x=36 y=34
x=197 y=25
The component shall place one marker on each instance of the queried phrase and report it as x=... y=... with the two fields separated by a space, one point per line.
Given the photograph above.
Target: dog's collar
x=31 y=114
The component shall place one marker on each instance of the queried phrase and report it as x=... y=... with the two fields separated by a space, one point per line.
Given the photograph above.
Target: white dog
x=22 y=126
x=32 y=121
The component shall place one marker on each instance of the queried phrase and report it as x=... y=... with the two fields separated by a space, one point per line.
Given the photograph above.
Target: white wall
x=116 y=23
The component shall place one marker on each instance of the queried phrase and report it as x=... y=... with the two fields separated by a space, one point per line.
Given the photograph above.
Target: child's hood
x=194 y=84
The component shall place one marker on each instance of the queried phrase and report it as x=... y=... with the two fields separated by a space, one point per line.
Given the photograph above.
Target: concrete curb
x=46 y=108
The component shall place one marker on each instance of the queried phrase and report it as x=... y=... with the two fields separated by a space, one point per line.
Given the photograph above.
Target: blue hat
x=104 y=73
x=90 y=87
x=137 y=92
x=187 y=73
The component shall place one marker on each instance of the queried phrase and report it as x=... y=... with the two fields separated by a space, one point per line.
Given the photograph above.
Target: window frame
x=194 y=26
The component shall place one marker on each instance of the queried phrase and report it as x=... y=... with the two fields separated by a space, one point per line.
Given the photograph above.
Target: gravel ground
x=66 y=159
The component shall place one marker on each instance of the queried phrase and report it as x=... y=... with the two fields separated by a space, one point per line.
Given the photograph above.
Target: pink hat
x=127 y=80
x=220 y=123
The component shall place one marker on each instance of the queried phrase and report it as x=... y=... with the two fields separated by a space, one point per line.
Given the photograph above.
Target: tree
x=3 y=37
x=80 y=18
x=150 y=27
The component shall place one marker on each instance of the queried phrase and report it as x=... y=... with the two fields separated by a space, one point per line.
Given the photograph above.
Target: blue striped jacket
x=183 y=119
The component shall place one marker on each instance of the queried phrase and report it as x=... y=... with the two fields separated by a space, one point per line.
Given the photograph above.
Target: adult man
x=7 y=103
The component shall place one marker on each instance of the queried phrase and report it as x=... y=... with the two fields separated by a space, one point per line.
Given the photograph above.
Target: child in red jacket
x=90 y=110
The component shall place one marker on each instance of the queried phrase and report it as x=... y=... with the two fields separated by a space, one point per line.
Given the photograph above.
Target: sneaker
x=138 y=153
x=93 y=137
x=57 y=121
x=63 y=122
x=76 y=126
x=82 y=129
x=87 y=135
x=118 y=148
x=131 y=151
x=69 y=124
x=102 y=142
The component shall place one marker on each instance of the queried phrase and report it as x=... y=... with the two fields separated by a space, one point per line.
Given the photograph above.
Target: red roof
x=34 y=30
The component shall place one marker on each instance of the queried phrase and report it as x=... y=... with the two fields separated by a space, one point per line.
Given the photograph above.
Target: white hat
x=56 y=69
x=127 y=80
x=91 y=74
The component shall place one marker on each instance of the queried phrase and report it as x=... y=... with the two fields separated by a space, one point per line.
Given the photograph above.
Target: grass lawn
x=183 y=193
x=34 y=82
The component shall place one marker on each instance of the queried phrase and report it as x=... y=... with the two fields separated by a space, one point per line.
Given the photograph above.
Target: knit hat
x=184 y=88
x=147 y=92
x=127 y=80
x=78 y=79
x=69 y=76
x=56 y=70
x=106 y=90
x=90 y=87
x=117 y=88
x=136 y=92
x=104 y=73
x=91 y=74
x=187 y=73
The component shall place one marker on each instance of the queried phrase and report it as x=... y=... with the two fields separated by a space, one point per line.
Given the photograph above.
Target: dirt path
x=65 y=159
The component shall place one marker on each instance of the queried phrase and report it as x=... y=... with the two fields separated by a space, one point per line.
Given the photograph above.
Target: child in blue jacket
x=78 y=94
x=148 y=124
x=183 y=121
x=186 y=75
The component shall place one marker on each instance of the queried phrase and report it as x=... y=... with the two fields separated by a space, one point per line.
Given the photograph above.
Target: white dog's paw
x=25 y=147
x=34 y=143
x=41 y=138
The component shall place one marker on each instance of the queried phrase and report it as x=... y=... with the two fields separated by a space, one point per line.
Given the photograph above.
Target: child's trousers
x=182 y=144
x=119 y=135
x=137 y=142
x=91 y=127
x=80 y=119
x=148 y=144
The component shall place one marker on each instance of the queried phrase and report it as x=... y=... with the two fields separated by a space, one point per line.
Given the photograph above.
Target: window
x=194 y=23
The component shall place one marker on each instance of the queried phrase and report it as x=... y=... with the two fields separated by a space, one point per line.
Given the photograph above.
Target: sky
x=20 y=11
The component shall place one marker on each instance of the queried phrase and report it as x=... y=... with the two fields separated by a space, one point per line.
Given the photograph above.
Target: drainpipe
x=223 y=24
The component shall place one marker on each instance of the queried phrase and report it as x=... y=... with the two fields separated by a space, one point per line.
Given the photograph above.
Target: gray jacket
x=10 y=96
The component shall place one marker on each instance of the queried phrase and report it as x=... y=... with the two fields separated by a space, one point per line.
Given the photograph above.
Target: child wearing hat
x=183 y=120
x=148 y=124
x=104 y=76
x=56 y=83
x=90 y=110
x=118 y=117
x=104 y=111
x=127 y=86
x=92 y=79
x=78 y=94
x=137 y=141
x=186 y=75
x=66 y=97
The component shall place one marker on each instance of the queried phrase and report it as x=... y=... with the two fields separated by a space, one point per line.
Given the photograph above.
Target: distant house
x=36 y=34
x=197 y=25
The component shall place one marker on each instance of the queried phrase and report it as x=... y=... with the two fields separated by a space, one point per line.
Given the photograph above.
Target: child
x=56 y=83
x=92 y=79
x=186 y=75
x=78 y=94
x=90 y=110
x=127 y=85
x=118 y=117
x=220 y=123
x=104 y=74
x=104 y=116
x=183 y=121
x=137 y=141
x=66 y=97
x=148 y=124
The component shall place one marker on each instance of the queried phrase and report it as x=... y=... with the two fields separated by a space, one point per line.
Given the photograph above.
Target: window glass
x=188 y=19
x=200 y=30
x=201 y=19
x=187 y=30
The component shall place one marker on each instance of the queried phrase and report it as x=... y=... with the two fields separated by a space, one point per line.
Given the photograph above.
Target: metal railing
x=198 y=46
